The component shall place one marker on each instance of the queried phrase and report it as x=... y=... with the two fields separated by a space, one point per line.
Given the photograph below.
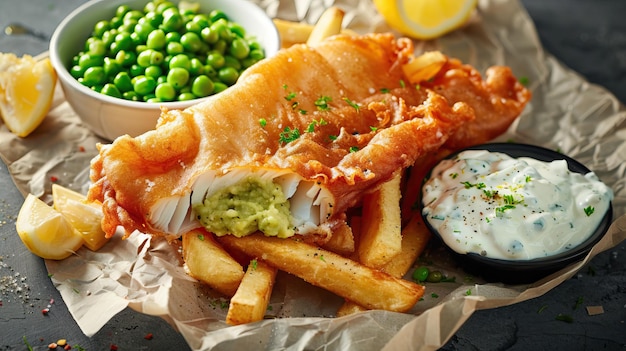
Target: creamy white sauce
x=501 y=207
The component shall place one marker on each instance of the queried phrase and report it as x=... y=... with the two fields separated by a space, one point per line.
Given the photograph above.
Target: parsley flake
x=322 y=103
x=288 y=135
x=589 y=210
x=352 y=103
x=262 y=122
x=354 y=148
x=384 y=90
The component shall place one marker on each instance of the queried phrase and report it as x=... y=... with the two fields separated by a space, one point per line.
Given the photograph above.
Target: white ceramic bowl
x=110 y=117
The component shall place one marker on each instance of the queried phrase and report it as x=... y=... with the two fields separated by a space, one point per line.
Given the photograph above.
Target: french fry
x=341 y=241
x=415 y=237
x=381 y=236
x=342 y=276
x=253 y=295
x=424 y=66
x=208 y=262
x=327 y=25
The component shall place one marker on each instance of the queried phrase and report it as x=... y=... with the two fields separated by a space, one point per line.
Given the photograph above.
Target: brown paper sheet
x=146 y=274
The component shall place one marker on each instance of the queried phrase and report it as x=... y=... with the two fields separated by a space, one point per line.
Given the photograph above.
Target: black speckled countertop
x=588 y=36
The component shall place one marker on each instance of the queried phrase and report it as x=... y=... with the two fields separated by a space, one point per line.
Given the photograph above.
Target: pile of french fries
x=363 y=262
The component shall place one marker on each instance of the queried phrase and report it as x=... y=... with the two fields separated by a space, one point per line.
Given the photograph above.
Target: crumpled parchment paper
x=146 y=274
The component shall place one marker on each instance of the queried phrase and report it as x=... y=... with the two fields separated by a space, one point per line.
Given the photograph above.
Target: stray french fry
x=342 y=241
x=328 y=24
x=208 y=262
x=424 y=67
x=415 y=237
x=381 y=233
x=253 y=295
x=342 y=276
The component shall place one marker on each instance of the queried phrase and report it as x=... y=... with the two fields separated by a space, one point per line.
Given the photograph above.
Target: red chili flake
x=113 y=347
x=148 y=336
x=81 y=148
x=45 y=311
x=54 y=179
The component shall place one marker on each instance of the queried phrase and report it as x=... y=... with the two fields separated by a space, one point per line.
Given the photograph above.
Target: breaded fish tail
x=324 y=124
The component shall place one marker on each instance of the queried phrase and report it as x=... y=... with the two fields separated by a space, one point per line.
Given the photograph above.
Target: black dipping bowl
x=525 y=271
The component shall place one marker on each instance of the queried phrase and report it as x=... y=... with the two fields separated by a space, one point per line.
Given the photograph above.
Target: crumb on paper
x=595 y=310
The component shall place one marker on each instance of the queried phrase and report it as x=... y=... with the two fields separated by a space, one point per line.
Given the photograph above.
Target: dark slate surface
x=588 y=36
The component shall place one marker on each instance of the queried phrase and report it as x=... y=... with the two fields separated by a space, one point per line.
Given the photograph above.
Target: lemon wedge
x=45 y=232
x=84 y=216
x=425 y=19
x=26 y=92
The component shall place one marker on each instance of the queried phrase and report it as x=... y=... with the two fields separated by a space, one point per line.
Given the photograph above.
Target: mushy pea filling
x=245 y=207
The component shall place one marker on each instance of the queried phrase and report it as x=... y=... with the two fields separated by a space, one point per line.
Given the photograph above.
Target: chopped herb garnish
x=290 y=96
x=402 y=83
x=288 y=135
x=477 y=185
x=589 y=210
x=322 y=103
x=500 y=210
x=564 y=318
x=468 y=292
x=201 y=237
x=322 y=258
x=434 y=295
x=541 y=309
x=528 y=179
x=254 y=264
x=509 y=199
x=579 y=301
x=354 y=148
x=384 y=90
x=332 y=137
x=30 y=348
x=418 y=87
x=454 y=175
x=302 y=112
x=352 y=103
x=311 y=127
x=373 y=129
x=524 y=81
x=294 y=105
x=262 y=122
x=490 y=193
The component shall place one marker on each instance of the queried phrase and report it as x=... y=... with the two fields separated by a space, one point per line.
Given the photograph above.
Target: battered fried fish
x=287 y=150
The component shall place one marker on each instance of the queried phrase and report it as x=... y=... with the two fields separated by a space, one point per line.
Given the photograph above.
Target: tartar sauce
x=512 y=208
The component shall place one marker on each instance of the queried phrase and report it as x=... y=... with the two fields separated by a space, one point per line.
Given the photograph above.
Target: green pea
x=144 y=85
x=239 y=48
x=133 y=15
x=130 y=95
x=153 y=71
x=172 y=20
x=109 y=36
x=193 y=27
x=161 y=80
x=209 y=71
x=216 y=15
x=237 y=29
x=191 y=41
x=181 y=61
x=209 y=35
x=94 y=76
x=111 y=90
x=88 y=60
x=121 y=10
x=216 y=60
x=201 y=20
x=122 y=82
x=77 y=71
x=124 y=41
x=136 y=70
x=156 y=39
x=155 y=19
x=165 y=92
x=196 y=67
x=186 y=96
x=218 y=87
x=434 y=277
x=126 y=58
x=228 y=75
x=149 y=98
x=230 y=61
x=97 y=47
x=126 y=27
x=220 y=46
x=178 y=77
x=202 y=86
x=172 y=37
x=100 y=27
x=174 y=48
x=143 y=30
x=165 y=5
x=150 y=57
x=152 y=100
x=421 y=274
x=111 y=67
x=257 y=54
x=117 y=21
x=247 y=62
